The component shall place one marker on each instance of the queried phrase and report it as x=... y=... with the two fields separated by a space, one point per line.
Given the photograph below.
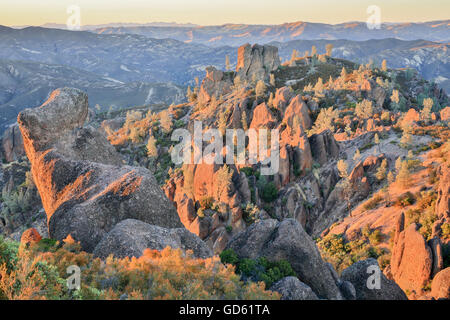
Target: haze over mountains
x=238 y=34
x=124 y=65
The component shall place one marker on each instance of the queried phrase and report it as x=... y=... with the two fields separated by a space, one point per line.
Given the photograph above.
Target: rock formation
x=216 y=83
x=30 y=236
x=440 y=288
x=412 y=259
x=443 y=201
x=358 y=274
x=84 y=188
x=12 y=143
x=130 y=238
x=289 y=241
x=256 y=62
x=291 y=288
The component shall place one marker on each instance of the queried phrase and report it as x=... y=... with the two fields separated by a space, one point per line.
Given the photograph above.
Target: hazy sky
x=211 y=12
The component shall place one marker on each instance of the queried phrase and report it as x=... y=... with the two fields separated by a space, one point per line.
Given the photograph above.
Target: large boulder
x=130 y=238
x=84 y=187
x=440 y=287
x=287 y=240
x=256 y=62
x=358 y=274
x=412 y=259
x=293 y=289
x=30 y=235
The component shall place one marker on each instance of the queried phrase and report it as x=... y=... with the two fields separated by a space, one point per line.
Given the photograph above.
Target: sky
x=217 y=12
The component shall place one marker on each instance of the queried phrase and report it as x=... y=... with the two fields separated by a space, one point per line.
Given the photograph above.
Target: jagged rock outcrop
x=256 y=62
x=358 y=274
x=84 y=188
x=324 y=147
x=130 y=238
x=297 y=113
x=288 y=240
x=216 y=83
x=12 y=143
x=412 y=259
x=188 y=196
x=293 y=289
x=262 y=117
x=282 y=97
x=443 y=200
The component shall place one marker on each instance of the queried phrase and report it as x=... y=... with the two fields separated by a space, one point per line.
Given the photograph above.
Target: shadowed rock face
x=359 y=273
x=12 y=144
x=130 y=238
x=293 y=289
x=287 y=240
x=84 y=189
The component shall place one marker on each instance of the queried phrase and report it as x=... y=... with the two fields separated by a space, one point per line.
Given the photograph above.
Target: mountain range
x=238 y=34
x=120 y=69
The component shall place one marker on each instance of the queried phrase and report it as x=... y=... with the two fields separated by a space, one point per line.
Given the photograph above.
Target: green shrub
x=373 y=203
x=405 y=200
x=269 y=192
x=256 y=270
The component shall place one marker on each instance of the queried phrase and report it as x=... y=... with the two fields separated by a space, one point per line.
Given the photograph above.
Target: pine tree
x=166 y=121
x=272 y=80
x=382 y=171
x=329 y=49
x=270 y=101
x=390 y=178
x=260 y=89
x=425 y=114
x=313 y=51
x=343 y=73
x=364 y=109
x=227 y=63
x=404 y=175
x=395 y=98
x=384 y=65
x=398 y=164
x=318 y=88
x=152 y=149
x=406 y=139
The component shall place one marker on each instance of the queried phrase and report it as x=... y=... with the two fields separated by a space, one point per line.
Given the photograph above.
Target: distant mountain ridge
x=238 y=34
